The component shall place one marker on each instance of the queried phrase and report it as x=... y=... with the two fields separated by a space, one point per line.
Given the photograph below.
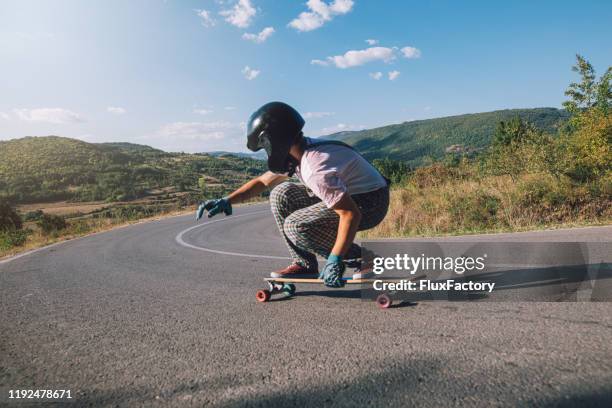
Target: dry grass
x=443 y=205
x=63 y=207
x=67 y=208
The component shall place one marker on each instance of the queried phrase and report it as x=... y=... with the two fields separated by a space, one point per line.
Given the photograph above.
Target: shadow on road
x=418 y=382
x=335 y=293
x=557 y=284
x=602 y=398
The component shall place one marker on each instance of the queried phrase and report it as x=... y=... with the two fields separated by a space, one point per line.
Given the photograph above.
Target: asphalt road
x=154 y=315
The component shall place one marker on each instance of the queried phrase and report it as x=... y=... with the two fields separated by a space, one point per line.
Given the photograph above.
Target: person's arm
x=350 y=217
x=256 y=186
x=248 y=190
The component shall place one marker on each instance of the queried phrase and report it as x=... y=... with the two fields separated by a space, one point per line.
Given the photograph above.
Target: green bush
x=80 y=227
x=10 y=239
x=33 y=215
x=588 y=149
x=542 y=192
x=475 y=211
x=527 y=150
x=394 y=170
x=50 y=223
x=9 y=219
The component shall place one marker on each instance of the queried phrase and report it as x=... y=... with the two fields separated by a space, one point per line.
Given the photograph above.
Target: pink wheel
x=263 y=295
x=384 y=301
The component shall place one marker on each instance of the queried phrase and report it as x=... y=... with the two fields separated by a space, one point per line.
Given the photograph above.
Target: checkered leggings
x=309 y=228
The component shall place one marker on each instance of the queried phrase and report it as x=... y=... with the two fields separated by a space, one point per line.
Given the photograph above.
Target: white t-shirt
x=332 y=170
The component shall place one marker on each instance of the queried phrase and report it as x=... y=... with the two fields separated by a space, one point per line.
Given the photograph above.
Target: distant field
x=63 y=207
x=66 y=208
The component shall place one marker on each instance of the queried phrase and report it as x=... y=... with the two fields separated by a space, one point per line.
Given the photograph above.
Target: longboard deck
x=347 y=281
x=285 y=286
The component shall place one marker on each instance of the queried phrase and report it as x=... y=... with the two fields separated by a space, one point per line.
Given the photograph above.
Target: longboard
x=312 y=280
x=286 y=286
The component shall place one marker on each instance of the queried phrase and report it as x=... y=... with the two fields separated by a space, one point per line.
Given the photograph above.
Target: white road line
x=33 y=251
x=179 y=239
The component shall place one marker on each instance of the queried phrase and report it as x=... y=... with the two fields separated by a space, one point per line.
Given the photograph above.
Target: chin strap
x=291 y=165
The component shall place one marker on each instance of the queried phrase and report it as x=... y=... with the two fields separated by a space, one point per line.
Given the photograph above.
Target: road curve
x=163 y=314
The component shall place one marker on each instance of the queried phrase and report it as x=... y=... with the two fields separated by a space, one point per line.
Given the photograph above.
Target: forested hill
x=414 y=141
x=57 y=168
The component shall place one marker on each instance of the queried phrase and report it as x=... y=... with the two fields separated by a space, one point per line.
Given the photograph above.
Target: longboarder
x=339 y=194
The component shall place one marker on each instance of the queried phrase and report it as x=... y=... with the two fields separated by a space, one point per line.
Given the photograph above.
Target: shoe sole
x=294 y=276
x=366 y=275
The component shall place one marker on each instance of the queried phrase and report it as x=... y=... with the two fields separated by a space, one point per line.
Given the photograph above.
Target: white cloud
x=340 y=127
x=307 y=22
x=199 y=131
x=354 y=58
x=229 y=108
x=207 y=20
x=261 y=37
x=320 y=13
x=376 y=75
x=49 y=115
x=393 y=75
x=202 y=111
x=4 y=116
x=411 y=52
x=117 y=110
x=250 y=73
x=317 y=115
x=241 y=14
x=371 y=41
x=196 y=136
x=319 y=62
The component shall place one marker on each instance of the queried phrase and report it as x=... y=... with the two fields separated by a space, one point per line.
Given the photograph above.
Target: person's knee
x=296 y=229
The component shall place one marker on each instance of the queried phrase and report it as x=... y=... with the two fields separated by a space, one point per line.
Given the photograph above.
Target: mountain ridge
x=414 y=141
x=55 y=167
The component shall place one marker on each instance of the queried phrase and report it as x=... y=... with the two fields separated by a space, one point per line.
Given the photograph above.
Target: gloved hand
x=214 y=207
x=333 y=271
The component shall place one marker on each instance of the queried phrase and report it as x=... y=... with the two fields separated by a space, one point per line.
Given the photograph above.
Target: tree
x=589 y=92
x=9 y=219
x=587 y=141
x=519 y=147
x=514 y=131
x=588 y=149
x=394 y=170
x=202 y=185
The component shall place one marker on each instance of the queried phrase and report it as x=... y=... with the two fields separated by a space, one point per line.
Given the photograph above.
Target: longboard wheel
x=384 y=301
x=289 y=289
x=263 y=295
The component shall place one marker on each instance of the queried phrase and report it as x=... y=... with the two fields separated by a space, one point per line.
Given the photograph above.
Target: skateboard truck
x=264 y=295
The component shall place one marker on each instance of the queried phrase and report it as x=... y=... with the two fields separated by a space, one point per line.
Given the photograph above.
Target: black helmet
x=275 y=127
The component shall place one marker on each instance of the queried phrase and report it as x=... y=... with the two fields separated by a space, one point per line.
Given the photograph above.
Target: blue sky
x=184 y=75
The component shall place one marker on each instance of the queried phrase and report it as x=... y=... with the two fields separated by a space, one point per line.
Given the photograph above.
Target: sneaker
x=364 y=272
x=295 y=271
